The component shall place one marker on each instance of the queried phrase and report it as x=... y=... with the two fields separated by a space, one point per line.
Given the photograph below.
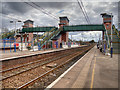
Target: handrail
x=108 y=38
x=55 y=33
x=116 y=31
x=46 y=33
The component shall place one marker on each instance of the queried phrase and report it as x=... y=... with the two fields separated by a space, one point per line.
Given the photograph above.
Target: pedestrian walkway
x=93 y=70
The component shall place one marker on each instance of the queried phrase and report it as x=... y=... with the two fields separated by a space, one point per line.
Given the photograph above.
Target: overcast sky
x=23 y=11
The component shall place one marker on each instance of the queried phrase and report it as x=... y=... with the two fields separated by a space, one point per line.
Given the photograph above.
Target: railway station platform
x=8 y=55
x=93 y=70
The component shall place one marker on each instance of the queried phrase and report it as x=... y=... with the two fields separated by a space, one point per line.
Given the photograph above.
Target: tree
x=5 y=30
x=92 y=41
x=7 y=34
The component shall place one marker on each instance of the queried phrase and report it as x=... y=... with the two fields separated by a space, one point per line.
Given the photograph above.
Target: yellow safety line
x=93 y=75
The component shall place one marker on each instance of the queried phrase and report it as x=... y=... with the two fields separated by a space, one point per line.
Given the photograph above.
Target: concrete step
x=116 y=51
x=115 y=38
x=109 y=32
x=116 y=48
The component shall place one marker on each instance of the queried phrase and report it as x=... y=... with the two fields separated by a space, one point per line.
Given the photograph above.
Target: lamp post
x=119 y=27
x=15 y=33
x=111 y=37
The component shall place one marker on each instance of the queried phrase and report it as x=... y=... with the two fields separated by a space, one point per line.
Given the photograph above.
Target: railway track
x=26 y=59
x=38 y=69
x=26 y=67
x=10 y=63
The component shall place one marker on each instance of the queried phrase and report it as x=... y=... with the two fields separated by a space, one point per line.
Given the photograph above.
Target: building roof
x=62 y=23
x=105 y=15
x=64 y=18
x=28 y=21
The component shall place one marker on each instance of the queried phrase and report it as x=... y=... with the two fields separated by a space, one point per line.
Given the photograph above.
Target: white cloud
x=71 y=10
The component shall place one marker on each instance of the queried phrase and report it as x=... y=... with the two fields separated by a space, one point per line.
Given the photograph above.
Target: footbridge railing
x=50 y=36
x=116 y=31
x=46 y=33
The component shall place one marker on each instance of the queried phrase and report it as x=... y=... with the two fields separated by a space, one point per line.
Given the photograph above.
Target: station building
x=57 y=41
x=62 y=38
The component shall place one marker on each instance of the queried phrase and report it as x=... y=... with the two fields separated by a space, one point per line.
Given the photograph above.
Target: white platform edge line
x=30 y=54
x=54 y=82
x=36 y=53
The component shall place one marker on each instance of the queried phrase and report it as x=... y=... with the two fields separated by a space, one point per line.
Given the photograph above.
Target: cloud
x=53 y=5
x=23 y=11
x=86 y=36
x=15 y=7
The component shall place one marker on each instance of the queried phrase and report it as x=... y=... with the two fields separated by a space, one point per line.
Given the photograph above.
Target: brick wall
x=18 y=39
x=108 y=26
x=59 y=41
x=106 y=19
x=64 y=21
x=30 y=35
x=65 y=37
x=28 y=24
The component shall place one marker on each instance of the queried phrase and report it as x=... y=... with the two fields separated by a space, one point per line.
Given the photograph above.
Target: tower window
x=107 y=26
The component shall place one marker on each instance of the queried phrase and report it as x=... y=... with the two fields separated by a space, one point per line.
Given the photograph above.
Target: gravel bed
x=18 y=80
x=23 y=78
x=20 y=61
x=27 y=67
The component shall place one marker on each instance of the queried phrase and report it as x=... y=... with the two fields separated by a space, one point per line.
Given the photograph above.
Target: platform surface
x=8 y=54
x=23 y=53
x=93 y=70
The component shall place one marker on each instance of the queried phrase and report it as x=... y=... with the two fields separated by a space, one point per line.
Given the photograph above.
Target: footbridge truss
x=71 y=28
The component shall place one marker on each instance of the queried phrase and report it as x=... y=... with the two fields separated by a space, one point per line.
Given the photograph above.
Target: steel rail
x=26 y=64
x=37 y=66
x=46 y=73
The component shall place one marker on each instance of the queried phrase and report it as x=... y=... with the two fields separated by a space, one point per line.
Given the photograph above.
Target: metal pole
x=10 y=45
x=111 y=37
x=4 y=45
x=71 y=37
x=15 y=38
x=37 y=41
x=40 y=45
x=25 y=39
x=45 y=45
x=21 y=42
x=51 y=44
x=32 y=42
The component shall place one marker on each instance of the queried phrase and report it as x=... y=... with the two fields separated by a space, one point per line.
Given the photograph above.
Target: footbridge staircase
x=51 y=32
x=115 y=39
